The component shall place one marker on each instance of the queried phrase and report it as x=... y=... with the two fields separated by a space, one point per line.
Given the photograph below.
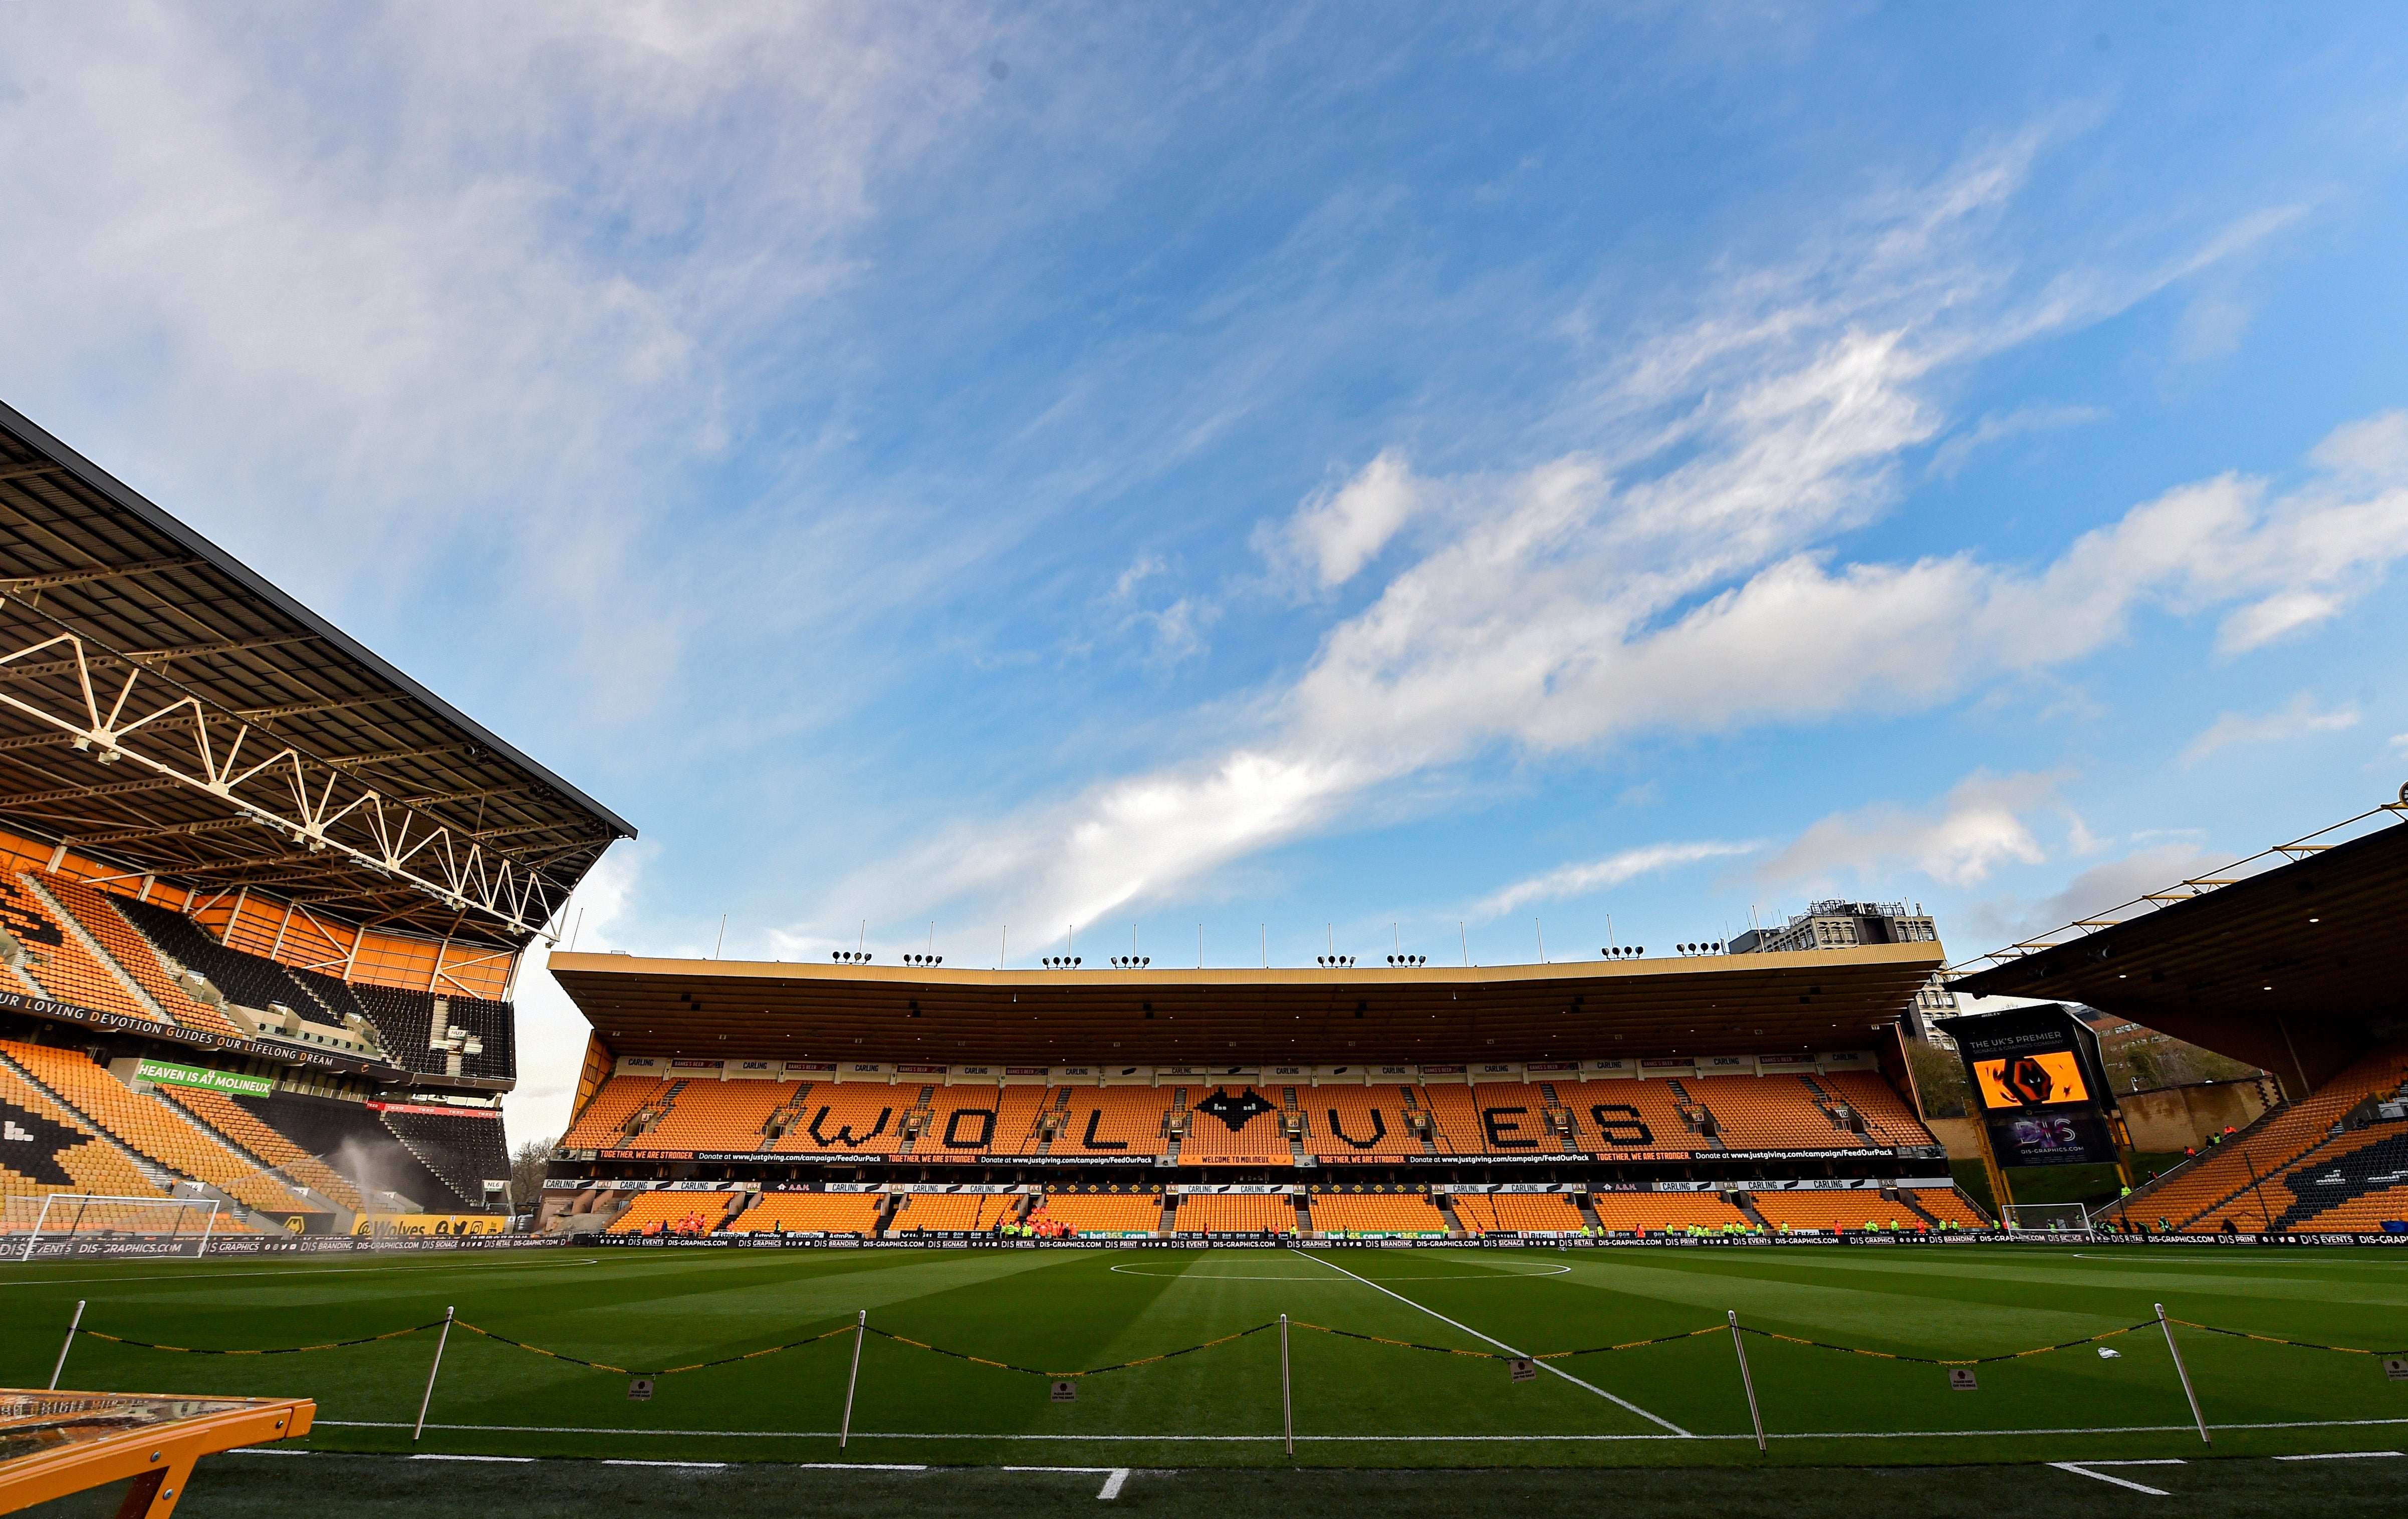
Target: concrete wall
x=2176 y=1118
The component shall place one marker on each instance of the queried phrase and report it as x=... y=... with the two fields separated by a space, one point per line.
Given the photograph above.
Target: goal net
x=2047 y=1218
x=182 y=1222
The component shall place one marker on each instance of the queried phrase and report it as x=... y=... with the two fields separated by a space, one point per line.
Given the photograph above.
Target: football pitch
x=1397 y=1358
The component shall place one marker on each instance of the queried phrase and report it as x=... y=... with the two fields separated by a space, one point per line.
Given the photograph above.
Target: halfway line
x=1509 y=1350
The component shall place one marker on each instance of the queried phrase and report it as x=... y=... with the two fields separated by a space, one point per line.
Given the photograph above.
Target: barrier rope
x=670 y=1372
x=280 y=1350
x=1210 y=1345
x=2277 y=1340
x=1931 y=1360
x=1068 y=1376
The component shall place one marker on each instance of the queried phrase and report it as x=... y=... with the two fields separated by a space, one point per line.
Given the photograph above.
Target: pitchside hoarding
x=2038 y=1086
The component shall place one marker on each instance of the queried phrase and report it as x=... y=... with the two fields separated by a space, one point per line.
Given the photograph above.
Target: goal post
x=176 y=1220
x=2045 y=1218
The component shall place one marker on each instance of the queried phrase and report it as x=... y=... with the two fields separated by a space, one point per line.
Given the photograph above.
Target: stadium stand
x=810 y=1212
x=943 y=1213
x=404 y=1018
x=2360 y=1189
x=1649 y=1212
x=1372 y=1122
x=2230 y=1180
x=463 y=1149
x=239 y=1126
x=1393 y=1212
x=60 y=966
x=852 y=1119
x=980 y=1120
x=1833 y=1211
x=352 y=1140
x=1089 y=1119
x=1245 y=1213
x=118 y=938
x=1628 y=1115
x=1888 y=1118
x=246 y=980
x=1512 y=1212
x=607 y=1112
x=152 y=1127
x=1257 y=1139
x=1951 y=1206
x=1101 y=1212
x=666 y=1213
x=716 y=1115
x=60 y=1152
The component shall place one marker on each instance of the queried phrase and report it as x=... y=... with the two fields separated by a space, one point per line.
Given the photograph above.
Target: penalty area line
x=1622 y=1402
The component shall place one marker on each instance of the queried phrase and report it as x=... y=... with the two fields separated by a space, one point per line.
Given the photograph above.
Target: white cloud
x=2300 y=715
x=1596 y=875
x=1978 y=827
x=1334 y=534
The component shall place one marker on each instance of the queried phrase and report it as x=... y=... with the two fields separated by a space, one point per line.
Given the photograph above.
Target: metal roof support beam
x=346 y=816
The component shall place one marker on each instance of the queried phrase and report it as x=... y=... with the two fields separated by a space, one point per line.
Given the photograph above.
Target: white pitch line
x=1540 y=1274
x=2082 y=1468
x=1113 y=1476
x=1509 y=1350
x=2338 y=1456
x=514 y=1459
x=710 y=1465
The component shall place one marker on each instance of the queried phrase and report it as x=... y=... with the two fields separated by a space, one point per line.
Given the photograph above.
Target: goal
x=178 y=1220
x=2046 y=1218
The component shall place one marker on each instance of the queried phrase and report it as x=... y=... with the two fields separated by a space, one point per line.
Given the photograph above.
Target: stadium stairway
x=643 y=1118
x=1745 y=1203
x=1905 y=1196
x=1699 y=1118
x=1445 y=1203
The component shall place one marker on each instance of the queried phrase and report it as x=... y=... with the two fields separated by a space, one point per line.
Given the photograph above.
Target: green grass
x=1357 y=1404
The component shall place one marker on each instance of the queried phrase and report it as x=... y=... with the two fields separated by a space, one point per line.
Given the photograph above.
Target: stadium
x=267 y=902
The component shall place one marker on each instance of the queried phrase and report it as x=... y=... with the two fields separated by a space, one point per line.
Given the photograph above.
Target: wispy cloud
x=2298 y=716
x=1655 y=583
x=1977 y=827
x=1597 y=875
x=1948 y=460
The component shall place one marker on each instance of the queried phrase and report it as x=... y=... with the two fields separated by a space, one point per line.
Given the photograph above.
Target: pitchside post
x=441 y=1342
x=1746 y=1378
x=69 y=1346
x=1287 y=1403
x=2182 y=1372
x=860 y=1329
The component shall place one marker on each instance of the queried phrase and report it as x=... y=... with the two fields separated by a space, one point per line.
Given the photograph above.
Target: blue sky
x=1359 y=476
